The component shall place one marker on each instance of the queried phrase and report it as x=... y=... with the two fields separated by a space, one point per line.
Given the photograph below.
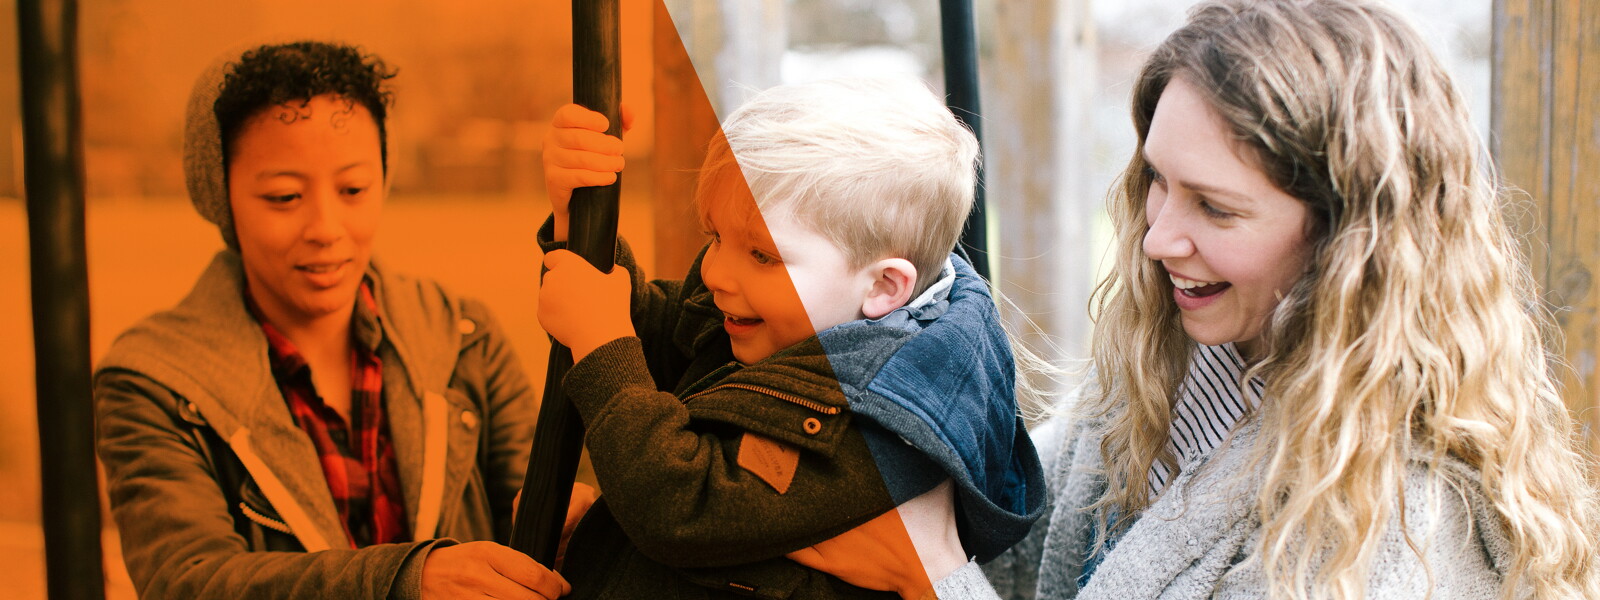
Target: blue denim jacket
x=934 y=382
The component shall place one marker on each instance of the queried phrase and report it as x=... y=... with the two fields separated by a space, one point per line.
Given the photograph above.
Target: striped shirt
x=1209 y=404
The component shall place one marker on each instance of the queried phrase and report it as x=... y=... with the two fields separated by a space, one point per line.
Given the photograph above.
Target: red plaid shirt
x=360 y=468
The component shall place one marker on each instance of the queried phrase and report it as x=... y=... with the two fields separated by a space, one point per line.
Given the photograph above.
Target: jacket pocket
x=781 y=415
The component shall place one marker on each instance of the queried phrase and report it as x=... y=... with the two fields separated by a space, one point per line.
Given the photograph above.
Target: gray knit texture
x=1198 y=539
x=202 y=150
x=965 y=583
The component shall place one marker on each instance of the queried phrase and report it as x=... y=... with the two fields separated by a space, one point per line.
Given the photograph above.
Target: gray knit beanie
x=202 y=150
x=203 y=167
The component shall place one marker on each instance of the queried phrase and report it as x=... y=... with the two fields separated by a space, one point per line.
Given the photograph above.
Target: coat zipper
x=790 y=398
x=265 y=521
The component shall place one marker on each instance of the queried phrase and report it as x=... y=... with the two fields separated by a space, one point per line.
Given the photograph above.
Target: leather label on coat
x=772 y=461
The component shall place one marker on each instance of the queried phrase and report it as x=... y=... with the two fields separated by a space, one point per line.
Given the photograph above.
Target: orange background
x=476 y=87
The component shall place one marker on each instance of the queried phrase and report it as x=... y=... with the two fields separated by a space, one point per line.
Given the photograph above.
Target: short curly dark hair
x=278 y=73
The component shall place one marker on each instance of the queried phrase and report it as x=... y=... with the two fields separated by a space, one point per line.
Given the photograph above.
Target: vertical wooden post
x=1545 y=118
x=1038 y=118
x=684 y=124
x=53 y=180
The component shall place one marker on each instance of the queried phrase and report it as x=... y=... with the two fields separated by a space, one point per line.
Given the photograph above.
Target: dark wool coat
x=668 y=414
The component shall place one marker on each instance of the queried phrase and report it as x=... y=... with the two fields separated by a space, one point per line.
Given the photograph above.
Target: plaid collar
x=366 y=330
x=357 y=456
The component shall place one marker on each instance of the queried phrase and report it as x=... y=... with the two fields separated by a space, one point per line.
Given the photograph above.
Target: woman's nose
x=325 y=218
x=1168 y=236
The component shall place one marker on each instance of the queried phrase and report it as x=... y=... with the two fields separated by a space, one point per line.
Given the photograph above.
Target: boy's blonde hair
x=879 y=167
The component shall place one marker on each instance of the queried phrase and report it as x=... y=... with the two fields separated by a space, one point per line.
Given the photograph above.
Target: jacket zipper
x=265 y=521
x=790 y=398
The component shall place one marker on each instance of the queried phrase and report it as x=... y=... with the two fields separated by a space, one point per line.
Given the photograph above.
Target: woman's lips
x=1203 y=291
x=1194 y=294
x=1200 y=297
x=324 y=275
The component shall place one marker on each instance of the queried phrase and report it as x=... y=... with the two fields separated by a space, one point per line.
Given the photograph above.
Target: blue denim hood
x=935 y=384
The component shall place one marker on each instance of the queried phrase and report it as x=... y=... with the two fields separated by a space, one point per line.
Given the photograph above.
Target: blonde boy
x=827 y=359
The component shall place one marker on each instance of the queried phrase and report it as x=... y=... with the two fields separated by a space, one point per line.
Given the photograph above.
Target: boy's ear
x=892 y=282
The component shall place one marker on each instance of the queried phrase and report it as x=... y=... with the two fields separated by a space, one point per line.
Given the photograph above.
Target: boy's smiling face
x=776 y=281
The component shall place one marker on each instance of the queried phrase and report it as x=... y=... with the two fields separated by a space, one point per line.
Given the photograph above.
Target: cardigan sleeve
x=967 y=583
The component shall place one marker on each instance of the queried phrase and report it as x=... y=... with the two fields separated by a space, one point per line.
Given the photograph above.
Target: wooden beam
x=592 y=234
x=684 y=124
x=1545 y=118
x=1038 y=112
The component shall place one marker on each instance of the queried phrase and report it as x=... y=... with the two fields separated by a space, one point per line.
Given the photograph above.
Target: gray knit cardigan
x=1197 y=539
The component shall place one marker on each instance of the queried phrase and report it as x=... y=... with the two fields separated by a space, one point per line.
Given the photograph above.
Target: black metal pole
x=53 y=179
x=558 y=435
x=957 y=33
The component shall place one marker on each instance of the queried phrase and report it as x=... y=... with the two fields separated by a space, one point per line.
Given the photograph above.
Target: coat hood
x=936 y=383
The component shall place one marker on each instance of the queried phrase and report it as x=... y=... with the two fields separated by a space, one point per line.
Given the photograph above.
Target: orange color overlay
x=475 y=91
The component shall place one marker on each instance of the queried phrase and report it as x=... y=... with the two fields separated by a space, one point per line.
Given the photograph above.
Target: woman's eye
x=353 y=191
x=1213 y=212
x=280 y=198
x=1155 y=176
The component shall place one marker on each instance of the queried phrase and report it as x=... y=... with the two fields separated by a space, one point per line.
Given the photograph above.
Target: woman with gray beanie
x=307 y=423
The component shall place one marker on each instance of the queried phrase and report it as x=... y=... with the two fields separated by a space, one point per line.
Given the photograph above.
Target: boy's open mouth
x=736 y=325
x=1198 y=289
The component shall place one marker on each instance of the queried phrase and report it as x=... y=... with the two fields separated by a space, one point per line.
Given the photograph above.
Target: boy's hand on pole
x=578 y=153
x=582 y=307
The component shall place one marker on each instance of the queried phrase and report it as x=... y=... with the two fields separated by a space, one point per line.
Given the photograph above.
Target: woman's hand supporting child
x=902 y=551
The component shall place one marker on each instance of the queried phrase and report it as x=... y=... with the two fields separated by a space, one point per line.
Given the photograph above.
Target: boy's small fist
x=578 y=153
x=582 y=307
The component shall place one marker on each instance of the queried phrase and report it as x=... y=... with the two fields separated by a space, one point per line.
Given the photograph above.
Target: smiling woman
x=306 y=423
x=1320 y=363
x=1230 y=240
x=305 y=189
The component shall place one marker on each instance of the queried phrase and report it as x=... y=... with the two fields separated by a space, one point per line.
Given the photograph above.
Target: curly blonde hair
x=1416 y=335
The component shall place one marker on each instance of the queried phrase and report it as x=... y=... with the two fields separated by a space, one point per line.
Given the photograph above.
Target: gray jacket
x=218 y=494
x=1197 y=539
